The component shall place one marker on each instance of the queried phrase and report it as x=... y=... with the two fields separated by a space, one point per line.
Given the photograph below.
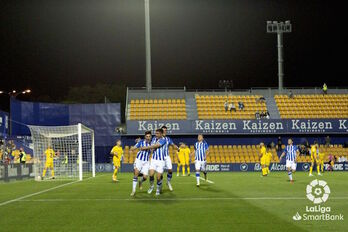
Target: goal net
x=63 y=152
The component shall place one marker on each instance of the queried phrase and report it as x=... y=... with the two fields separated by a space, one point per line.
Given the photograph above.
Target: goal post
x=63 y=152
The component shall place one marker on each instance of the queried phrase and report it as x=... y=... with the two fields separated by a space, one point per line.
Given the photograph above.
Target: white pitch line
x=40 y=192
x=209 y=181
x=176 y=199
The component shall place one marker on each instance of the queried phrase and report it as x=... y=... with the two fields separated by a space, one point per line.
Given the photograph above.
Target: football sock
x=135 y=181
x=197 y=177
x=318 y=169
x=183 y=170
x=263 y=171
x=44 y=172
x=152 y=179
x=115 y=173
x=311 y=170
x=178 y=169
x=188 y=169
x=159 y=184
x=290 y=175
x=52 y=173
x=169 y=176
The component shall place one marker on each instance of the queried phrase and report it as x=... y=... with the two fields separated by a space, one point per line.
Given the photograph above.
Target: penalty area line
x=43 y=191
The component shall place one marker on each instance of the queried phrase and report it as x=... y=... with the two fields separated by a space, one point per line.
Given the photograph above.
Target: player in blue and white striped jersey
x=141 y=163
x=291 y=151
x=168 y=162
x=201 y=151
x=157 y=161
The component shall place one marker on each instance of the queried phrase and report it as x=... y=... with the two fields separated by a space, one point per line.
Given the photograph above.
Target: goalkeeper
x=50 y=154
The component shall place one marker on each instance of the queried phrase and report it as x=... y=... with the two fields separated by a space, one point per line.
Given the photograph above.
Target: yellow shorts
x=117 y=163
x=263 y=160
x=183 y=160
x=49 y=164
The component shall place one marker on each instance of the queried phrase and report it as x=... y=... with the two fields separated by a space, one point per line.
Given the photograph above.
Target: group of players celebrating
x=291 y=152
x=160 y=161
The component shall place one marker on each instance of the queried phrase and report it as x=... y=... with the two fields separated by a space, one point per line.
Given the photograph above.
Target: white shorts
x=200 y=165
x=291 y=164
x=168 y=163
x=157 y=165
x=142 y=166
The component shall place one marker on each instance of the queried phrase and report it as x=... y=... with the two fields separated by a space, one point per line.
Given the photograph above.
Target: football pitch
x=231 y=202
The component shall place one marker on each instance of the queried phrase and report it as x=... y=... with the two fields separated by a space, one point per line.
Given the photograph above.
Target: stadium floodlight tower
x=148 y=46
x=279 y=28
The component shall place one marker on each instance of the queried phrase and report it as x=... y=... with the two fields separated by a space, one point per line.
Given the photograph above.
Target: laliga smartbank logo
x=318 y=192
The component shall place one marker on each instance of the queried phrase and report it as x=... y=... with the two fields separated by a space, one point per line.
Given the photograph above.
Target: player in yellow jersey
x=268 y=158
x=263 y=159
x=321 y=161
x=50 y=154
x=183 y=159
x=117 y=153
x=314 y=158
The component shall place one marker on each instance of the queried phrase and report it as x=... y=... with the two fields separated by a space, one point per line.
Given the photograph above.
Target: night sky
x=51 y=45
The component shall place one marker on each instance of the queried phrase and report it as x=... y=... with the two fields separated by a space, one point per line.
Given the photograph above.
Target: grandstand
x=211 y=106
x=187 y=108
x=157 y=109
x=181 y=104
x=313 y=106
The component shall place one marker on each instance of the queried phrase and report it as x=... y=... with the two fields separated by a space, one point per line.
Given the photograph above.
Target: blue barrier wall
x=3 y=123
x=102 y=118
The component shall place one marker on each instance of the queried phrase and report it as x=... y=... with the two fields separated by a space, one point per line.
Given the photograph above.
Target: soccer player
x=321 y=161
x=168 y=162
x=116 y=153
x=314 y=158
x=263 y=159
x=201 y=152
x=157 y=162
x=141 y=163
x=291 y=151
x=50 y=154
x=184 y=159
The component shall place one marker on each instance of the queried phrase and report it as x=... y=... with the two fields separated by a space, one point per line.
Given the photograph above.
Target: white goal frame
x=75 y=133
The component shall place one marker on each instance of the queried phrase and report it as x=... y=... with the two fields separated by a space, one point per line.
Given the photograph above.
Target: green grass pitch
x=234 y=202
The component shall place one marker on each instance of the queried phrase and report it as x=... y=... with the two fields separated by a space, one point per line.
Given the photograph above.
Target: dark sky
x=50 y=45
